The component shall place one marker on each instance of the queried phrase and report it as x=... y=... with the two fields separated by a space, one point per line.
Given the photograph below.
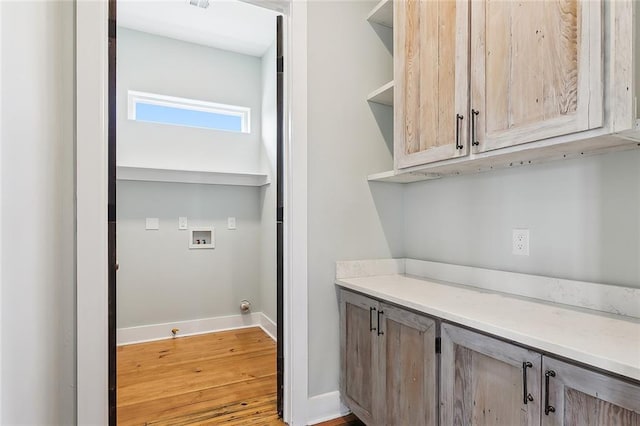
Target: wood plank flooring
x=219 y=378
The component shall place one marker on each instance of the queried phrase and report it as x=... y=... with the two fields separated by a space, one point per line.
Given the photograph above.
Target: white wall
x=165 y=66
x=583 y=215
x=348 y=218
x=38 y=291
x=160 y=279
x=268 y=193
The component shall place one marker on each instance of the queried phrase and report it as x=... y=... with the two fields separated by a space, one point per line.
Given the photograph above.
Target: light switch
x=153 y=223
x=182 y=223
x=231 y=223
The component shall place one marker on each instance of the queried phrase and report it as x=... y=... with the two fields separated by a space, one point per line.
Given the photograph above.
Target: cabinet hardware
x=371 y=327
x=380 y=332
x=474 y=118
x=438 y=345
x=459 y=119
x=526 y=395
x=548 y=408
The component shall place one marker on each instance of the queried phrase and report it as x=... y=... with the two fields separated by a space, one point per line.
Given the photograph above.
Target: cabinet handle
x=474 y=118
x=371 y=327
x=548 y=408
x=380 y=332
x=526 y=395
x=459 y=118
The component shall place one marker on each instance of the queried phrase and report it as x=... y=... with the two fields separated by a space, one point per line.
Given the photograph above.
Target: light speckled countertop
x=606 y=341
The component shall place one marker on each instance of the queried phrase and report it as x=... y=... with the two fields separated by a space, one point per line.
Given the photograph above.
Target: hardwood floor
x=227 y=377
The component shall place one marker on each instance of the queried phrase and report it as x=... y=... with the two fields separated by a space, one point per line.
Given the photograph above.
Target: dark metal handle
x=371 y=327
x=548 y=408
x=474 y=118
x=459 y=118
x=526 y=395
x=380 y=332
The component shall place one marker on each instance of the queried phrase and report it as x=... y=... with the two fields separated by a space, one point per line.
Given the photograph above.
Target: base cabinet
x=578 y=396
x=485 y=381
x=388 y=363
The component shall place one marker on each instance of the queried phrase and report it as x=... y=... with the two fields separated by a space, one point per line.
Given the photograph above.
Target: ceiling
x=225 y=24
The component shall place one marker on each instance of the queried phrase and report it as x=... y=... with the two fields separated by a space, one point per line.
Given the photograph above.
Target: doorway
x=195 y=234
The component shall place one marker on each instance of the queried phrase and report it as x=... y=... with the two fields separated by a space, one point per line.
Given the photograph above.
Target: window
x=188 y=112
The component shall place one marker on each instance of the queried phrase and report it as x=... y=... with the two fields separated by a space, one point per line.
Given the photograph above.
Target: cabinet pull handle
x=459 y=118
x=526 y=395
x=474 y=118
x=548 y=408
x=380 y=332
x=371 y=327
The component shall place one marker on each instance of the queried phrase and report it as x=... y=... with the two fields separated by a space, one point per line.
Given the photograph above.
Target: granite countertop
x=599 y=339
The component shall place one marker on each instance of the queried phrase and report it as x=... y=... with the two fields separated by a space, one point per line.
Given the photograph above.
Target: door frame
x=92 y=205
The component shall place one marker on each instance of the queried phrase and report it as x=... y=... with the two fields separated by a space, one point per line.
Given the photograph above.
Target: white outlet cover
x=520 y=242
x=152 y=224
x=182 y=223
x=231 y=223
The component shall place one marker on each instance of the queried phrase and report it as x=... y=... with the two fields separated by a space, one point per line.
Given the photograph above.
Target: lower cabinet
x=485 y=381
x=578 y=396
x=390 y=373
x=389 y=367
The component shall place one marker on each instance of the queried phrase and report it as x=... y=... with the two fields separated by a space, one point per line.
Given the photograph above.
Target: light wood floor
x=227 y=377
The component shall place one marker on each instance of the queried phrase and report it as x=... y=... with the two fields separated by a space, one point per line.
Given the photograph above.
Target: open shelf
x=191 y=176
x=382 y=95
x=407 y=177
x=382 y=14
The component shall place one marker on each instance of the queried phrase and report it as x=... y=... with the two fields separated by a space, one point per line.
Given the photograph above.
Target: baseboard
x=149 y=333
x=325 y=407
x=268 y=326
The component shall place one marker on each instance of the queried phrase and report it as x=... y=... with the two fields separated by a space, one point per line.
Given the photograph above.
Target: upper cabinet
x=536 y=70
x=431 y=75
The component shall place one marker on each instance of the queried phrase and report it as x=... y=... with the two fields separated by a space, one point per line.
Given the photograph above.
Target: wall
x=347 y=217
x=165 y=66
x=37 y=151
x=268 y=193
x=160 y=279
x=583 y=215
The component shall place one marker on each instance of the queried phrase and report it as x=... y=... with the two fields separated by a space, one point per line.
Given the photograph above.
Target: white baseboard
x=152 y=332
x=325 y=407
x=268 y=326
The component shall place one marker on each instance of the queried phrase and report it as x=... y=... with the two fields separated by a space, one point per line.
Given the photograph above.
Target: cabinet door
x=431 y=80
x=577 y=396
x=359 y=357
x=408 y=368
x=536 y=70
x=485 y=381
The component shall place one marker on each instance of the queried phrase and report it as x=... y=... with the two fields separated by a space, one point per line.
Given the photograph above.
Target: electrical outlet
x=521 y=242
x=231 y=223
x=182 y=223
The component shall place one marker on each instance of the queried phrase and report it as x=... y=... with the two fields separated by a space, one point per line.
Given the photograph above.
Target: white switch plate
x=182 y=223
x=231 y=223
x=153 y=223
x=521 y=242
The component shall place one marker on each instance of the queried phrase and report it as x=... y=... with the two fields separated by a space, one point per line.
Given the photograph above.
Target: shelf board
x=408 y=177
x=382 y=95
x=382 y=14
x=191 y=176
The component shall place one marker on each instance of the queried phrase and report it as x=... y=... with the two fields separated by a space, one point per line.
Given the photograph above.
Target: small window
x=188 y=112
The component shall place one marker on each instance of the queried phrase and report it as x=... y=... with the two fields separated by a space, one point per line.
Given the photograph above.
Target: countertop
x=602 y=340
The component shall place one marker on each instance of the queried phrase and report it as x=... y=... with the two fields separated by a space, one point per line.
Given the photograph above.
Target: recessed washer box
x=202 y=238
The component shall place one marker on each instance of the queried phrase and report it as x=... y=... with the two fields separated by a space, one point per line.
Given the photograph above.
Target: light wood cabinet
x=431 y=77
x=485 y=381
x=536 y=70
x=478 y=76
x=578 y=396
x=388 y=363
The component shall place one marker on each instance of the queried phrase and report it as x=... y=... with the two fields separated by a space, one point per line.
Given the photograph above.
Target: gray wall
x=37 y=344
x=268 y=192
x=583 y=214
x=165 y=66
x=348 y=218
x=160 y=279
